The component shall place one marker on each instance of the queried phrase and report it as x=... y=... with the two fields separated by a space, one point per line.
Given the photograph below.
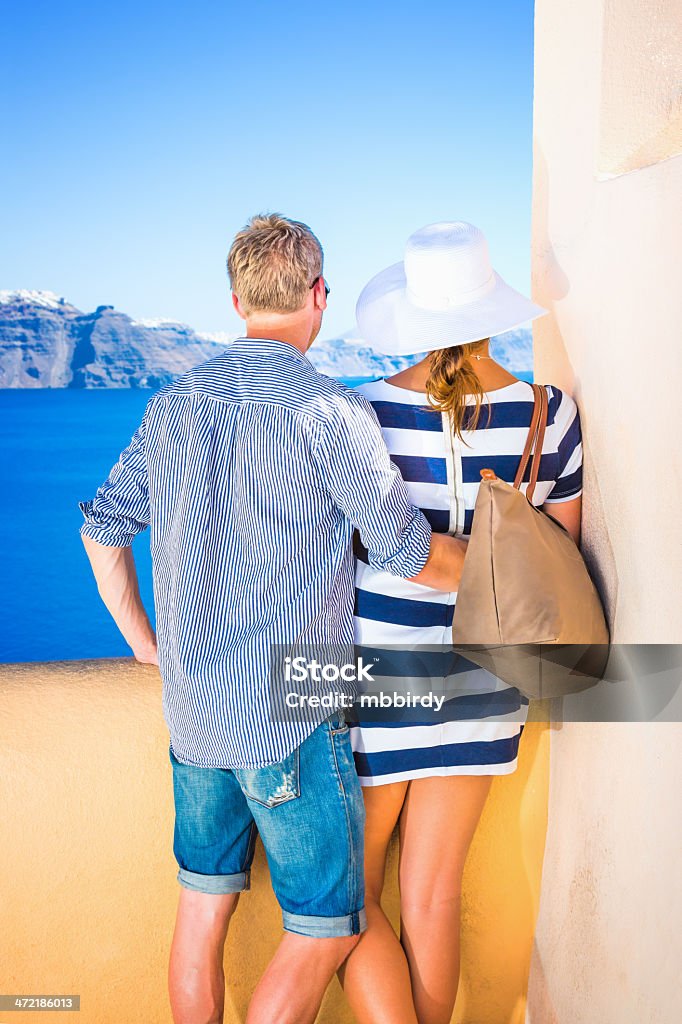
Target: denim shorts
x=309 y=811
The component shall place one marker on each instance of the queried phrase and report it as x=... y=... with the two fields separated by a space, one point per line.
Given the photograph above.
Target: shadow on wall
x=88 y=886
x=550 y=286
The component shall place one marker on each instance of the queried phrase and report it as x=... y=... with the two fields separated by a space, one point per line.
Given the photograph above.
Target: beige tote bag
x=526 y=607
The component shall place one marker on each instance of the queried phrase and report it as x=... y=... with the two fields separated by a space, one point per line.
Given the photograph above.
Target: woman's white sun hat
x=444 y=293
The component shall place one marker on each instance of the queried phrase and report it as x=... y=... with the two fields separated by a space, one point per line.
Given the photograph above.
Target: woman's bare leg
x=375 y=976
x=437 y=824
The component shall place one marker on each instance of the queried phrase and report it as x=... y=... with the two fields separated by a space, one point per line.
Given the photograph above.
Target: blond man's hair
x=272 y=263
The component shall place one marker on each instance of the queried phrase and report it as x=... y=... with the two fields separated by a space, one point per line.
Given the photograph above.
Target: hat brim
x=391 y=324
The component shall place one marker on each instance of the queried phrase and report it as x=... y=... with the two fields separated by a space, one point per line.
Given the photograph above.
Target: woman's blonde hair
x=451 y=378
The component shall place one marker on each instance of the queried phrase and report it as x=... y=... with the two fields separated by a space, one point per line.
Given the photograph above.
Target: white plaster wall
x=606 y=262
x=641 y=79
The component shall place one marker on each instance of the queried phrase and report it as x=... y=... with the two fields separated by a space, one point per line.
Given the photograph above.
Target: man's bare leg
x=291 y=990
x=196 y=980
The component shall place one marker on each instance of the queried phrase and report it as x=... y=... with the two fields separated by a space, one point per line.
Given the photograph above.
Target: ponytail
x=451 y=378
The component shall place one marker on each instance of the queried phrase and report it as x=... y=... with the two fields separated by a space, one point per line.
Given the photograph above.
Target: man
x=252 y=471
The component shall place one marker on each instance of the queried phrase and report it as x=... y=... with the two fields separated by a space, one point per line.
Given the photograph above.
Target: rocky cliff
x=47 y=342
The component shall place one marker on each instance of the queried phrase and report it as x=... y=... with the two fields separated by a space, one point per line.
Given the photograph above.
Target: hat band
x=443 y=302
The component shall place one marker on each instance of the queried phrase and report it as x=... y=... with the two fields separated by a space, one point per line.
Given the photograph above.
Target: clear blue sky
x=138 y=137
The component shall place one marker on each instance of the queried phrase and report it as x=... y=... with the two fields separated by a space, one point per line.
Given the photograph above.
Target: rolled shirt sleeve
x=120 y=508
x=368 y=488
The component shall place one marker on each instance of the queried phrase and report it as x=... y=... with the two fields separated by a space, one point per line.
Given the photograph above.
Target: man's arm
x=443 y=568
x=116 y=576
x=356 y=469
x=119 y=511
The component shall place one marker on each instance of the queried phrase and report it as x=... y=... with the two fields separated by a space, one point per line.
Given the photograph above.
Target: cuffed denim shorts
x=309 y=811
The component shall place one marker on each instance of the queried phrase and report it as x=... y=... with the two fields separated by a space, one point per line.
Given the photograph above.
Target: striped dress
x=477 y=732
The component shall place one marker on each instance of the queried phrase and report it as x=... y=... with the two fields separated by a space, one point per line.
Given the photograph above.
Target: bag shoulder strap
x=539 y=441
x=534 y=441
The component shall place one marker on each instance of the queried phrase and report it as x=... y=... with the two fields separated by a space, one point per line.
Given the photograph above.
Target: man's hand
x=147 y=655
x=443 y=567
x=116 y=576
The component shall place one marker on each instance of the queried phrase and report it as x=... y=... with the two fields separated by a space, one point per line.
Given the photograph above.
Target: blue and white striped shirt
x=252 y=470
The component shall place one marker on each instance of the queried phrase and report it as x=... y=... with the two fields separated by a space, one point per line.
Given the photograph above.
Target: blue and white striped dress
x=473 y=734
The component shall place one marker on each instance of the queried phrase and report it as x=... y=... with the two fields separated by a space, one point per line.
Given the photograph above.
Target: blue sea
x=58 y=445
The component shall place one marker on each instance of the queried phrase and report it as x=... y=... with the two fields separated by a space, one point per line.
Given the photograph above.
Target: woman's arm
x=568 y=513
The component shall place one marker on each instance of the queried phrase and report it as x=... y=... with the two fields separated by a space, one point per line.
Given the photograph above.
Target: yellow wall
x=606 y=259
x=87 y=875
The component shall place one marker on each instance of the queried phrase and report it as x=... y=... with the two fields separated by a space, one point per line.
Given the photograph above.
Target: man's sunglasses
x=327 y=289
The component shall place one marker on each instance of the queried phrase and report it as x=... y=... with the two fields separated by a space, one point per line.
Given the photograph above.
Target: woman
x=453 y=413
